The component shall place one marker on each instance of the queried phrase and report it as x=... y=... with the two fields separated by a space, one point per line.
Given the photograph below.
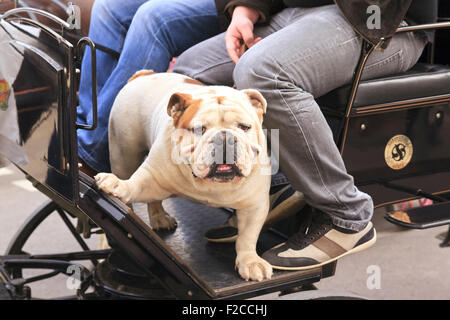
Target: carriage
x=393 y=134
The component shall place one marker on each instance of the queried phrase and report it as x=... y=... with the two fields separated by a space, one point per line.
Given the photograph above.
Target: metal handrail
x=56 y=19
x=80 y=46
x=422 y=27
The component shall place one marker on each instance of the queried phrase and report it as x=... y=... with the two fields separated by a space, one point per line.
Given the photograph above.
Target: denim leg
x=110 y=20
x=159 y=31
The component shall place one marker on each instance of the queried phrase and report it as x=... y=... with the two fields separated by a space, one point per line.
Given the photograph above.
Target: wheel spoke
x=74 y=232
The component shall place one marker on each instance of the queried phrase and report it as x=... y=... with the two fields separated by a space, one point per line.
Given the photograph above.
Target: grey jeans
x=305 y=53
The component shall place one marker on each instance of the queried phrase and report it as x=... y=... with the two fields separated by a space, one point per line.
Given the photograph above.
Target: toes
x=268 y=271
x=254 y=269
x=172 y=223
x=110 y=184
x=244 y=272
x=256 y=272
x=164 y=223
x=106 y=182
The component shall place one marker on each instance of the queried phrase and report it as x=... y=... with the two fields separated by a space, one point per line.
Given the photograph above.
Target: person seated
x=299 y=50
x=147 y=34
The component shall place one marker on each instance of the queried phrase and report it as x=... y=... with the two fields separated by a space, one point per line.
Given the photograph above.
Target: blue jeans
x=147 y=34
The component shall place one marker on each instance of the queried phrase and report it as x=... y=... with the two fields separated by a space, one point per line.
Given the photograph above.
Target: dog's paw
x=163 y=222
x=110 y=184
x=252 y=267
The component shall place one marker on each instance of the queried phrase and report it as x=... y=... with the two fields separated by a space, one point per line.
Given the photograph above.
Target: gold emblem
x=4 y=94
x=398 y=152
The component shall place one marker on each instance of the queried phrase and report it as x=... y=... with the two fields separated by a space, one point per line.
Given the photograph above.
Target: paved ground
x=404 y=264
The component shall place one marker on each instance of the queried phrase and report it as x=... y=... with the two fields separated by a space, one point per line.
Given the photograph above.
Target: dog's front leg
x=248 y=263
x=141 y=187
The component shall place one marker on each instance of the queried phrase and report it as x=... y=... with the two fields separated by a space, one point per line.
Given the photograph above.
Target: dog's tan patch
x=220 y=99
x=188 y=114
x=260 y=115
x=182 y=108
x=193 y=81
x=141 y=73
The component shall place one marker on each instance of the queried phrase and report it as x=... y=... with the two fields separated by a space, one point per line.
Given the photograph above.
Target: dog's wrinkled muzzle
x=224 y=154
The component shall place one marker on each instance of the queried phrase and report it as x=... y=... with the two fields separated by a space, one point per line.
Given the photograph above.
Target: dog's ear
x=257 y=100
x=182 y=108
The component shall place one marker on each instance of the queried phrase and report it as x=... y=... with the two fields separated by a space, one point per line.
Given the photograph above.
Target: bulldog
x=171 y=136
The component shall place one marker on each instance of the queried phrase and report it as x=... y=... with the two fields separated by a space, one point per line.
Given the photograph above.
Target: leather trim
x=369 y=235
x=272 y=257
x=422 y=81
x=331 y=248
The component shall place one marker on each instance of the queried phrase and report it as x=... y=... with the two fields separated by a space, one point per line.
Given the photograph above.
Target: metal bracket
x=79 y=49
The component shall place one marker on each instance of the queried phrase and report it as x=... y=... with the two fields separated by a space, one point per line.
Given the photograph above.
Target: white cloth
x=10 y=62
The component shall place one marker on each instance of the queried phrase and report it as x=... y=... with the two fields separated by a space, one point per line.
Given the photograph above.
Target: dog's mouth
x=224 y=172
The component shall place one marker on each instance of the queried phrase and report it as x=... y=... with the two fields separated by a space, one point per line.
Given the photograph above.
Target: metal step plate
x=214 y=262
x=422 y=217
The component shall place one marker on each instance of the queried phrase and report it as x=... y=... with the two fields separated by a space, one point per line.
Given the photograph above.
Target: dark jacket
x=392 y=12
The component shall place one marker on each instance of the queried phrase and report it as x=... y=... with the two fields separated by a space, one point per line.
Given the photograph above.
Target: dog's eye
x=199 y=130
x=244 y=127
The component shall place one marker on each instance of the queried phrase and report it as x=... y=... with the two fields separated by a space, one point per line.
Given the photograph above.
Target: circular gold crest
x=398 y=152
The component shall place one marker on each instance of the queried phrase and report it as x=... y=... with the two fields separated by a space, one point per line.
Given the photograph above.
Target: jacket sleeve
x=265 y=7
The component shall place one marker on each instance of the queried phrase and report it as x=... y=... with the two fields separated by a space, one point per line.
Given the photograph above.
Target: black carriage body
x=45 y=94
x=415 y=107
x=368 y=152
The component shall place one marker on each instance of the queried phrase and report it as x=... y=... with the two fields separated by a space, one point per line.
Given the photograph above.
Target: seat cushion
x=423 y=80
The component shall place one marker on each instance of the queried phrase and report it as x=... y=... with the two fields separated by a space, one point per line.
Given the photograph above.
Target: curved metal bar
x=420 y=27
x=80 y=45
x=64 y=267
x=56 y=19
x=23 y=4
x=18 y=241
x=366 y=49
x=73 y=231
x=41 y=277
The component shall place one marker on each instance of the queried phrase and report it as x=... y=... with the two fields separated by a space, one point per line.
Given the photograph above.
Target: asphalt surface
x=403 y=264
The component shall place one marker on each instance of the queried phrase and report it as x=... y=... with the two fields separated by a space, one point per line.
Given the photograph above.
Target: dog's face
x=218 y=132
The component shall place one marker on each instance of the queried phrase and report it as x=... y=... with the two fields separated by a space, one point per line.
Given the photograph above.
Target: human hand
x=239 y=35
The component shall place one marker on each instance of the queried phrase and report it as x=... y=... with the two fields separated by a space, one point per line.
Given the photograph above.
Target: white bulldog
x=171 y=136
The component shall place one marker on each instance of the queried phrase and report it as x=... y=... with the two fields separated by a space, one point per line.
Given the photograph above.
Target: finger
x=242 y=50
x=232 y=45
x=255 y=41
x=247 y=36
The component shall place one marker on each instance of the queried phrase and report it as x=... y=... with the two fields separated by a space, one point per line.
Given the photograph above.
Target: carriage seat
x=423 y=80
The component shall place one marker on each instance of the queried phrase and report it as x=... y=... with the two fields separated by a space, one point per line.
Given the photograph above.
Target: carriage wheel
x=17 y=243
